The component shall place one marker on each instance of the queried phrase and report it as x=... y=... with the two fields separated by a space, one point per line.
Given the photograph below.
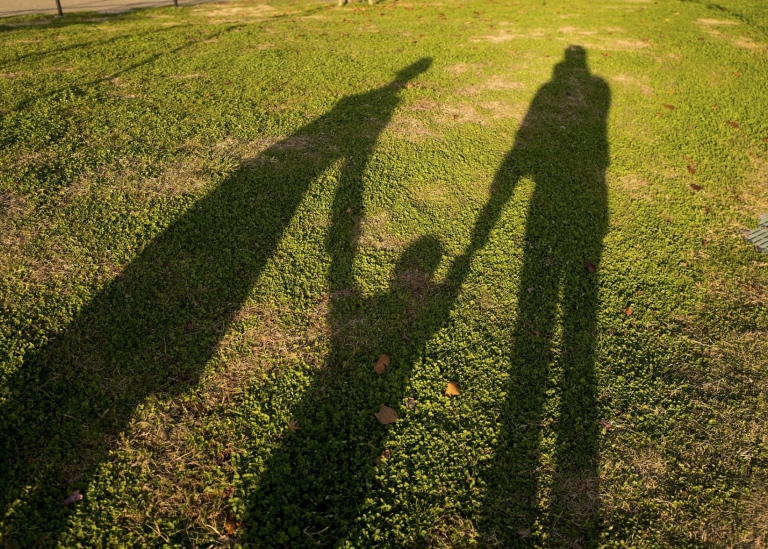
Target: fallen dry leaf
x=628 y=310
x=691 y=169
x=640 y=292
x=607 y=426
x=732 y=124
x=670 y=107
x=73 y=498
x=452 y=389
x=386 y=454
x=410 y=403
x=386 y=415
x=590 y=267
x=737 y=74
x=382 y=364
x=293 y=425
x=231 y=525
x=696 y=187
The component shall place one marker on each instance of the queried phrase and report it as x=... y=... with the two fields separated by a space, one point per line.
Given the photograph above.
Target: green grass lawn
x=214 y=219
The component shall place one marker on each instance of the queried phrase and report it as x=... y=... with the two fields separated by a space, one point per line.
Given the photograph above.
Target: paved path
x=19 y=7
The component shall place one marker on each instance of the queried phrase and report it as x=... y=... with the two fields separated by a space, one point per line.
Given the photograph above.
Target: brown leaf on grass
x=589 y=266
x=410 y=403
x=74 y=497
x=382 y=364
x=231 y=525
x=765 y=139
x=293 y=425
x=228 y=492
x=732 y=124
x=691 y=169
x=452 y=389
x=386 y=415
x=607 y=426
x=628 y=310
x=737 y=74
x=696 y=187
x=670 y=107
x=386 y=454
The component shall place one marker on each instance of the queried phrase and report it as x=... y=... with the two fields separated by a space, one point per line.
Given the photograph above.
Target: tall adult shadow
x=153 y=328
x=543 y=479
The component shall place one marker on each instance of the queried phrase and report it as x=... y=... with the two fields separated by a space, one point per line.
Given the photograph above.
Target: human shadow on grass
x=152 y=329
x=313 y=489
x=542 y=484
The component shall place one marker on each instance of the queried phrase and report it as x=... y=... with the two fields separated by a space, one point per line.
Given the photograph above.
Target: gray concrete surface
x=21 y=7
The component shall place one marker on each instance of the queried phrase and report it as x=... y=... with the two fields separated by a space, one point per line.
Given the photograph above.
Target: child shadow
x=314 y=486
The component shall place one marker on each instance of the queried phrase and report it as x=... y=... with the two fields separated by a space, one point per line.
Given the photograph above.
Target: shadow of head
x=574 y=59
x=412 y=71
x=422 y=255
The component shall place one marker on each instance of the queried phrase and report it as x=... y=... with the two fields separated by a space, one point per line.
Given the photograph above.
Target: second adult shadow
x=542 y=482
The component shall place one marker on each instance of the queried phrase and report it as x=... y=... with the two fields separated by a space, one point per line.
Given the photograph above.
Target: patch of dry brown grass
x=462 y=68
x=411 y=129
x=495 y=83
x=637 y=187
x=641 y=84
x=453 y=531
x=234 y=12
x=13 y=237
x=374 y=233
